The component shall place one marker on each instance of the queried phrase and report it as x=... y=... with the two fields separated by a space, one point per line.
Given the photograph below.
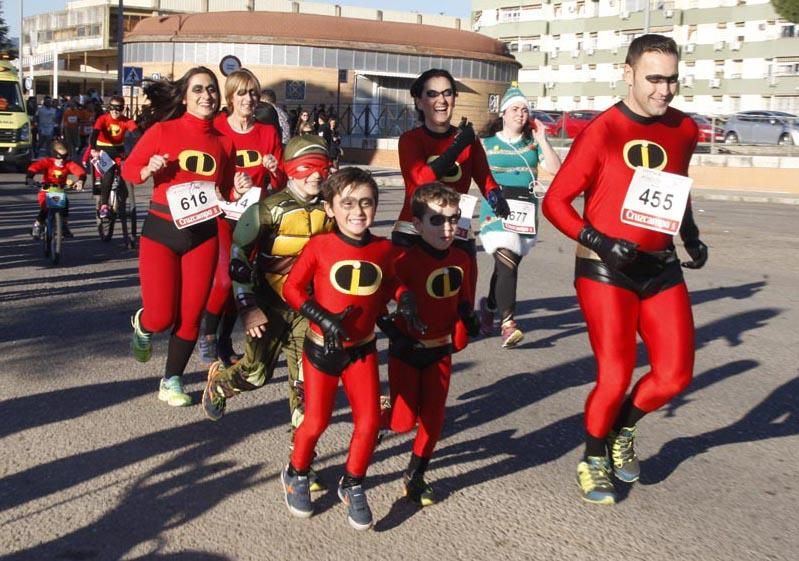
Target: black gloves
x=498 y=203
x=469 y=319
x=329 y=323
x=698 y=252
x=463 y=138
x=689 y=233
x=616 y=253
x=406 y=307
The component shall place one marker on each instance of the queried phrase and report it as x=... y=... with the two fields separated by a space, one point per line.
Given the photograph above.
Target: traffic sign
x=132 y=75
x=229 y=64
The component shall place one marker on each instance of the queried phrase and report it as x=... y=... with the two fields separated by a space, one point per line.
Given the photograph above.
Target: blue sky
x=458 y=8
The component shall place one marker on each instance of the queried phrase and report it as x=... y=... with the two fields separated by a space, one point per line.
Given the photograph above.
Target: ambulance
x=15 y=128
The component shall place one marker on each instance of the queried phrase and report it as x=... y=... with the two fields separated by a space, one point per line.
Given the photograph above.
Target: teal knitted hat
x=513 y=95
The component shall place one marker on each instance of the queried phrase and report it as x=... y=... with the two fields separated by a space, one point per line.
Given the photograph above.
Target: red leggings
x=220 y=290
x=362 y=386
x=419 y=395
x=174 y=288
x=666 y=326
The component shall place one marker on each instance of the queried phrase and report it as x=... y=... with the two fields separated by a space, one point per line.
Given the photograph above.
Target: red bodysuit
x=52 y=174
x=419 y=376
x=600 y=165
x=251 y=149
x=342 y=272
x=177 y=266
x=111 y=132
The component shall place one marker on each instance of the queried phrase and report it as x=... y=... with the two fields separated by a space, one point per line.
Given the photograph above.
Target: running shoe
x=214 y=397
x=141 y=344
x=171 y=391
x=315 y=484
x=622 y=454
x=486 y=318
x=36 y=231
x=418 y=491
x=66 y=232
x=297 y=493
x=593 y=477
x=104 y=211
x=511 y=334
x=207 y=348
x=359 y=515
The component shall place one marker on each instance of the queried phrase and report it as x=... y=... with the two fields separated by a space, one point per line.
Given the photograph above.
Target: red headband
x=310 y=164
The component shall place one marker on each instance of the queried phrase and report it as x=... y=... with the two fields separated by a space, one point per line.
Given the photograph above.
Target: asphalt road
x=94 y=467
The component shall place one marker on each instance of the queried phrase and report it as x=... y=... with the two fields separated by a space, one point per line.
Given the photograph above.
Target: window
x=295 y=90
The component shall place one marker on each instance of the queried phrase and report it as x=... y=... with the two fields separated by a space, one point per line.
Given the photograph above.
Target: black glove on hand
x=463 y=138
x=406 y=307
x=498 y=203
x=616 y=253
x=329 y=323
x=469 y=319
x=698 y=252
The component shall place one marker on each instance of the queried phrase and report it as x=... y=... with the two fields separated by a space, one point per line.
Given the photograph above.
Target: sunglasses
x=440 y=219
x=59 y=156
x=116 y=107
x=433 y=94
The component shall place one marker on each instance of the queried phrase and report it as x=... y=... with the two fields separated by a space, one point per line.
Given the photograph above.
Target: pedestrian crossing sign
x=132 y=75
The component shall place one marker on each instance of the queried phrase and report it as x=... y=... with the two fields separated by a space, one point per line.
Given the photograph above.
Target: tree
x=787 y=9
x=5 y=45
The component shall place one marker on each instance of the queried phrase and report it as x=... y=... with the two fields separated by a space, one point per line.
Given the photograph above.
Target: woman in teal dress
x=515 y=147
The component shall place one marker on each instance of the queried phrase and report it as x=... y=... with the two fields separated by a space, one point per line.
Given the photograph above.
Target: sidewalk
x=392 y=178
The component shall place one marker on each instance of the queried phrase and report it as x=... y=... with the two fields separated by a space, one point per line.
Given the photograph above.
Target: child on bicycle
x=54 y=170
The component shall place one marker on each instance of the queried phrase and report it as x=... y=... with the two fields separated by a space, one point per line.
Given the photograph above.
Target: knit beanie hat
x=304 y=145
x=511 y=96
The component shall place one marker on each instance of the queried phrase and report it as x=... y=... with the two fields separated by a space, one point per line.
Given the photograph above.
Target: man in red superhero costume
x=628 y=277
x=351 y=274
x=55 y=171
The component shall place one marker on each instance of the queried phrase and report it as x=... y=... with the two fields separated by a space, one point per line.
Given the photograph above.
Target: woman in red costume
x=259 y=154
x=191 y=164
x=628 y=277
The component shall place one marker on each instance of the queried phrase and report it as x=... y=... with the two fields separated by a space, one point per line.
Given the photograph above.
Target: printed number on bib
x=466 y=205
x=521 y=218
x=193 y=202
x=234 y=210
x=105 y=162
x=656 y=200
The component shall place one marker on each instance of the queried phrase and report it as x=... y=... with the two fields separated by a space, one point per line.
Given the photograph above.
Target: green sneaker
x=593 y=477
x=622 y=453
x=141 y=344
x=171 y=391
x=418 y=491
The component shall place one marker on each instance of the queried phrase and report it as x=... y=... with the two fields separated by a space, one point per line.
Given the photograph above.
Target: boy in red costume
x=351 y=274
x=55 y=171
x=628 y=276
x=420 y=364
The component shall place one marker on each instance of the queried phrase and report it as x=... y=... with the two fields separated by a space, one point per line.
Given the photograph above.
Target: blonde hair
x=241 y=78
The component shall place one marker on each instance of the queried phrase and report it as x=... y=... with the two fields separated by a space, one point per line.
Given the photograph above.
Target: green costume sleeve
x=249 y=229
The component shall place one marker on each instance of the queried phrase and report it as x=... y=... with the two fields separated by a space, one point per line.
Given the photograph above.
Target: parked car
x=707 y=132
x=549 y=122
x=762 y=127
x=573 y=122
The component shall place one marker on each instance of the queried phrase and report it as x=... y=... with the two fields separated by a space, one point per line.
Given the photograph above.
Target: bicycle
x=53 y=234
x=117 y=211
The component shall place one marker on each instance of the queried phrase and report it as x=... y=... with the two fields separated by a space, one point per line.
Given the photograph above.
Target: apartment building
x=735 y=54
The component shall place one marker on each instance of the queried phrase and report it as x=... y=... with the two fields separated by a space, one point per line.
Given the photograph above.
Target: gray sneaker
x=298 y=493
x=593 y=477
x=359 y=515
x=622 y=454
